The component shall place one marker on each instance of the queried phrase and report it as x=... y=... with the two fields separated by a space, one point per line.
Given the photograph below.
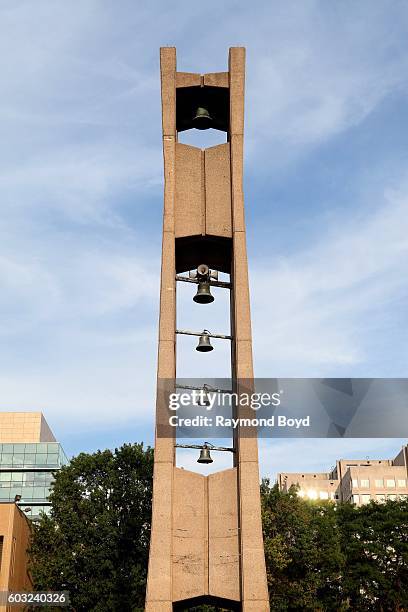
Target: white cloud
x=80 y=134
x=81 y=182
x=29 y=293
x=314 y=73
x=313 y=315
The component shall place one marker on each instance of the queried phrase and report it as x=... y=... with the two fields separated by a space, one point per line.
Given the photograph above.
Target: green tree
x=302 y=551
x=375 y=543
x=95 y=541
x=319 y=556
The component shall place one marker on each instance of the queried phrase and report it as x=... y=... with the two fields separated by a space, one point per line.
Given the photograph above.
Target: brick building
x=354 y=480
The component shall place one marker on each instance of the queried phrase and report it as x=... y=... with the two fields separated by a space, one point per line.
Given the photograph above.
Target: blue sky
x=326 y=187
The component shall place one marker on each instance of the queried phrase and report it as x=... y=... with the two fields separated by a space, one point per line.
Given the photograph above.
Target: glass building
x=26 y=468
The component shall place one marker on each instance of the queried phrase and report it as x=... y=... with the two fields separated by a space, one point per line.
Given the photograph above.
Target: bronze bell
x=202 y=119
x=203 y=295
x=205 y=456
x=204 y=344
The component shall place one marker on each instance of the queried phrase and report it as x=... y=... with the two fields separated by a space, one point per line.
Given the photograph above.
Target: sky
x=81 y=195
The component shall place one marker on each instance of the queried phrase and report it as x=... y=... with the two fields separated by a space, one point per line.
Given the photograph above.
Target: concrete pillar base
x=160 y=606
x=255 y=606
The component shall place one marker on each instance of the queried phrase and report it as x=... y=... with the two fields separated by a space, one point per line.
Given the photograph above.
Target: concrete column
x=159 y=595
x=254 y=590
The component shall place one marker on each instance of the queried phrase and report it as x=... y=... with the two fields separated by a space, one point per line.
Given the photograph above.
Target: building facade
x=29 y=454
x=354 y=480
x=14 y=541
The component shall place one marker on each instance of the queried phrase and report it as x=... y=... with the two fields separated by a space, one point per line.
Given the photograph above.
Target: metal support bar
x=214 y=283
x=206 y=388
x=202 y=333
x=208 y=445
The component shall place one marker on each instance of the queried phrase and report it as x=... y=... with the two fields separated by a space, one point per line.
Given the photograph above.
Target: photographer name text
x=221 y=421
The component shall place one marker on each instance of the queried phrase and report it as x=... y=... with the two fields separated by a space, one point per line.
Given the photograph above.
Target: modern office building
x=29 y=454
x=354 y=480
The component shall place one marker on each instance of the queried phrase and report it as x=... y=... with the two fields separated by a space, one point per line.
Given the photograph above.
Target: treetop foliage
x=319 y=556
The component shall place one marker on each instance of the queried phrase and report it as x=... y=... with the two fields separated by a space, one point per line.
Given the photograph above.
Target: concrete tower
x=206 y=541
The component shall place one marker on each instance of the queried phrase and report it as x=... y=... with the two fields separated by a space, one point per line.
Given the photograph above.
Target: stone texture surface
x=159 y=586
x=159 y=606
x=188 y=79
x=218 y=191
x=223 y=534
x=189 y=191
x=238 y=214
x=159 y=596
x=203 y=191
x=216 y=79
x=237 y=89
x=190 y=535
x=168 y=90
x=252 y=568
x=255 y=606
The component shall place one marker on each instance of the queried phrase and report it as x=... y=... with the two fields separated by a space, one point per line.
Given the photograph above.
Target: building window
x=380 y=497
x=365 y=499
x=355 y=499
x=364 y=483
x=402 y=483
x=403 y=496
x=392 y=497
x=324 y=495
x=355 y=483
x=379 y=483
x=32 y=484
x=390 y=483
x=1 y=549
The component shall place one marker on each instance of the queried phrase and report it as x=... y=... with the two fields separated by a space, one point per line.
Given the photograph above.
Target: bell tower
x=206 y=539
